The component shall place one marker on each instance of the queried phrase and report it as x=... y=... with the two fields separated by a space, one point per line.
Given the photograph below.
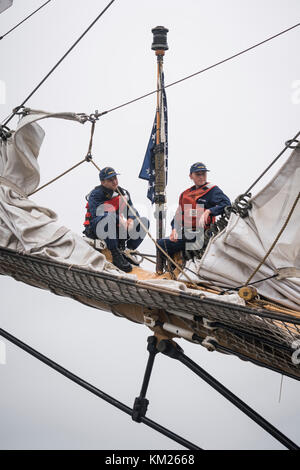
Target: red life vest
x=115 y=204
x=189 y=211
x=88 y=216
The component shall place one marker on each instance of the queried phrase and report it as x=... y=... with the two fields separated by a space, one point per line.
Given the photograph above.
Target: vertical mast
x=160 y=45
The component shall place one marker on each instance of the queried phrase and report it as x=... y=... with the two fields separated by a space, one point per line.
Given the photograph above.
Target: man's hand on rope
x=127 y=223
x=204 y=218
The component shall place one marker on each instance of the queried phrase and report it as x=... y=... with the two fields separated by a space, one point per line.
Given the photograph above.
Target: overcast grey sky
x=235 y=118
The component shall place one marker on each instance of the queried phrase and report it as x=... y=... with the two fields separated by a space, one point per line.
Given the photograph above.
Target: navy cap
x=198 y=167
x=107 y=173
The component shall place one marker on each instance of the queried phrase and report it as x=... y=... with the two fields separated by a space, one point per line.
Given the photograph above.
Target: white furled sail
x=24 y=225
x=233 y=255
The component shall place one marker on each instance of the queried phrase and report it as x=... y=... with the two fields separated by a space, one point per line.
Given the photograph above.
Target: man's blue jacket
x=96 y=198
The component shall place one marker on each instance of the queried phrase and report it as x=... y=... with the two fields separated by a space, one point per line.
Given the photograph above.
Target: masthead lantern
x=160 y=39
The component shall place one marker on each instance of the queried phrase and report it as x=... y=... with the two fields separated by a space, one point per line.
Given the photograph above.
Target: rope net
x=255 y=334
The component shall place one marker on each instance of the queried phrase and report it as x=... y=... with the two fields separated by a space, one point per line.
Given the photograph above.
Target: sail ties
x=276 y=239
x=13 y=186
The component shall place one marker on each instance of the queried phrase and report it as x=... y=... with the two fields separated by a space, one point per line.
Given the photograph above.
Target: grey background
x=235 y=118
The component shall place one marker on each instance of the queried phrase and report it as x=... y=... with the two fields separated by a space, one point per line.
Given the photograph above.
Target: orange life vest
x=189 y=211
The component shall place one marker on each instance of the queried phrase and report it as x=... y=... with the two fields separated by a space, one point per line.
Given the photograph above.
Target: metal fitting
x=210 y=343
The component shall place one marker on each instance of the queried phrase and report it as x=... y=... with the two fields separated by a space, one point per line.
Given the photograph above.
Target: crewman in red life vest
x=198 y=208
x=109 y=218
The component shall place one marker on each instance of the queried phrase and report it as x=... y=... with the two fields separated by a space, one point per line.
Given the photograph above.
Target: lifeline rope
x=27 y=17
x=88 y=158
x=132 y=210
x=57 y=177
x=153 y=239
x=60 y=61
x=276 y=239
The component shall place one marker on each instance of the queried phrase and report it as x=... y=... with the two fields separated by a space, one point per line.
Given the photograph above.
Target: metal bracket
x=289 y=143
x=141 y=403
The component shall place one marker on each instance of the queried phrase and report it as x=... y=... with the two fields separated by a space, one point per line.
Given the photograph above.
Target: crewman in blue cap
x=198 y=207
x=109 y=218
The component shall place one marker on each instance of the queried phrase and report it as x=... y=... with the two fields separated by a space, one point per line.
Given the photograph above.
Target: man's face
x=110 y=183
x=199 y=177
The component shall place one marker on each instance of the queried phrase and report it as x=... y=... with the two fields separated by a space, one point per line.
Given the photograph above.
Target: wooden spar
x=159 y=46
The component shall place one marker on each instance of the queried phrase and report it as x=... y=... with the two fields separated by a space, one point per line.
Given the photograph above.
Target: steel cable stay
x=202 y=70
x=246 y=193
x=95 y=391
x=25 y=19
x=174 y=351
x=138 y=412
x=157 y=90
x=59 y=62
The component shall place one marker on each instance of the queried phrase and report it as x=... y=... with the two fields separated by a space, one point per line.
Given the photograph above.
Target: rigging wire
x=99 y=393
x=23 y=21
x=247 y=410
x=155 y=91
x=60 y=61
x=287 y=145
x=87 y=158
x=275 y=241
x=203 y=70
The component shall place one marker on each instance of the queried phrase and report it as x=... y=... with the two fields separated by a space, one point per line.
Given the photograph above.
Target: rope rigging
x=59 y=62
x=241 y=204
x=138 y=412
x=203 y=70
x=87 y=158
x=276 y=239
x=154 y=91
x=25 y=19
x=288 y=144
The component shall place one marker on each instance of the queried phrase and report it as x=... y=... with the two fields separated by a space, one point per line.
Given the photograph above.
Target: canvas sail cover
x=24 y=225
x=232 y=256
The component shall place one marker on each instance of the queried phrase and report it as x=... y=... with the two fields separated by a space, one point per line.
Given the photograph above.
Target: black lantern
x=160 y=39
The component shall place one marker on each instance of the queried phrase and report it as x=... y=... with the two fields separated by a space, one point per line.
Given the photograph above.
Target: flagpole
x=160 y=45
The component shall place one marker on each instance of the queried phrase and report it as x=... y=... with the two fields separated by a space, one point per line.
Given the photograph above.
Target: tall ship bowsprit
x=236 y=291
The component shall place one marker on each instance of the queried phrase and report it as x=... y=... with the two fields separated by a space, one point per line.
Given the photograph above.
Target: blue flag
x=148 y=168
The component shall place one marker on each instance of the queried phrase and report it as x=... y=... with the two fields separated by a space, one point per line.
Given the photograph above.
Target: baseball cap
x=198 y=167
x=107 y=173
